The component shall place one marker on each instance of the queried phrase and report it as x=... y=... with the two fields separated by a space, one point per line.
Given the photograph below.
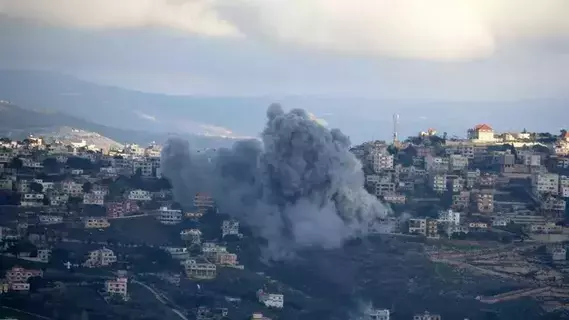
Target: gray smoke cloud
x=299 y=187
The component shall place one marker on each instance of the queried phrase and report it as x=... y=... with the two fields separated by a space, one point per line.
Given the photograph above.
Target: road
x=160 y=298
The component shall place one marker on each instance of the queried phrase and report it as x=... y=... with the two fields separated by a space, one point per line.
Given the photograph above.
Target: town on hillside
x=98 y=233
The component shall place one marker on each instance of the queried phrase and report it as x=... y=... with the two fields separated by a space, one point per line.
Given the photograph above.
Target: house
x=559 y=254
x=100 y=258
x=226 y=259
x=271 y=300
x=96 y=223
x=121 y=208
x=19 y=274
x=200 y=270
x=485 y=201
x=230 y=227
x=169 y=216
x=72 y=188
x=119 y=287
x=94 y=198
x=178 y=253
x=481 y=133
x=139 y=195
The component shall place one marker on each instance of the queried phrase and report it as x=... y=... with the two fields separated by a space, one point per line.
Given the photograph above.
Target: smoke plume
x=299 y=187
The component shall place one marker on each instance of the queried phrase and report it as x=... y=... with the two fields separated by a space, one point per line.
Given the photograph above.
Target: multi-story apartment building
x=554 y=206
x=226 y=259
x=449 y=216
x=19 y=274
x=564 y=186
x=563 y=162
x=200 y=270
x=460 y=148
x=145 y=166
x=118 y=287
x=439 y=183
x=381 y=161
x=437 y=164
x=545 y=183
x=378 y=314
x=432 y=229
x=271 y=300
x=461 y=200
x=121 y=208
x=72 y=188
x=57 y=199
x=384 y=187
x=487 y=180
x=96 y=223
x=485 y=201
x=169 y=216
x=426 y=316
x=178 y=253
x=418 y=226
x=456 y=183
x=139 y=195
x=94 y=198
x=49 y=219
x=394 y=198
x=100 y=258
x=457 y=162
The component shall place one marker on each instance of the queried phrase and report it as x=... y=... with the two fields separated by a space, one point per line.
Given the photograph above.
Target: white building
x=439 y=183
x=381 y=161
x=48 y=219
x=169 y=216
x=145 y=167
x=100 y=258
x=178 y=253
x=200 y=270
x=559 y=254
x=482 y=133
x=378 y=314
x=33 y=196
x=545 y=183
x=230 y=227
x=139 y=195
x=449 y=216
x=192 y=235
x=94 y=198
x=72 y=188
x=438 y=164
x=117 y=287
x=96 y=223
x=58 y=199
x=271 y=300
x=426 y=316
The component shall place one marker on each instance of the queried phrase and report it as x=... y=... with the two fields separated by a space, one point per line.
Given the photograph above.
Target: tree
x=36 y=187
x=164 y=184
x=87 y=187
x=79 y=163
x=16 y=163
x=51 y=165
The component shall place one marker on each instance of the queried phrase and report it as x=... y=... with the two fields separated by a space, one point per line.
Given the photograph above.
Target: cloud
x=434 y=29
x=197 y=17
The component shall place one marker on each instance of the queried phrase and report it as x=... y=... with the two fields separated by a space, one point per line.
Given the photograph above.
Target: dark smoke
x=300 y=187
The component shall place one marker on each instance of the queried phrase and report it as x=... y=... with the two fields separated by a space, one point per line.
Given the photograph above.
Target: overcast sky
x=396 y=49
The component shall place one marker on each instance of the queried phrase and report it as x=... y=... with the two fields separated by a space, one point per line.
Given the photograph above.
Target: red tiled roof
x=566 y=135
x=483 y=127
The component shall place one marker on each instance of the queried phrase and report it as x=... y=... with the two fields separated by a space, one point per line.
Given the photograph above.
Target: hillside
x=18 y=122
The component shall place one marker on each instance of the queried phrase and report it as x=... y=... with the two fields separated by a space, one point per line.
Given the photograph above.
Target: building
x=100 y=258
x=194 y=236
x=230 y=227
x=461 y=200
x=139 y=195
x=169 y=216
x=259 y=316
x=564 y=186
x=58 y=199
x=418 y=226
x=94 y=198
x=545 y=183
x=121 y=208
x=554 y=206
x=485 y=201
x=432 y=229
x=377 y=314
x=96 y=223
x=559 y=254
x=271 y=300
x=226 y=259
x=449 y=216
x=481 y=133
x=200 y=270
x=439 y=183
x=49 y=219
x=19 y=274
x=72 y=188
x=145 y=167
x=203 y=200
x=477 y=225
x=457 y=162
x=436 y=164
x=381 y=161
x=6 y=184
x=178 y=253
x=384 y=187
x=426 y=316
x=118 y=287
x=394 y=198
